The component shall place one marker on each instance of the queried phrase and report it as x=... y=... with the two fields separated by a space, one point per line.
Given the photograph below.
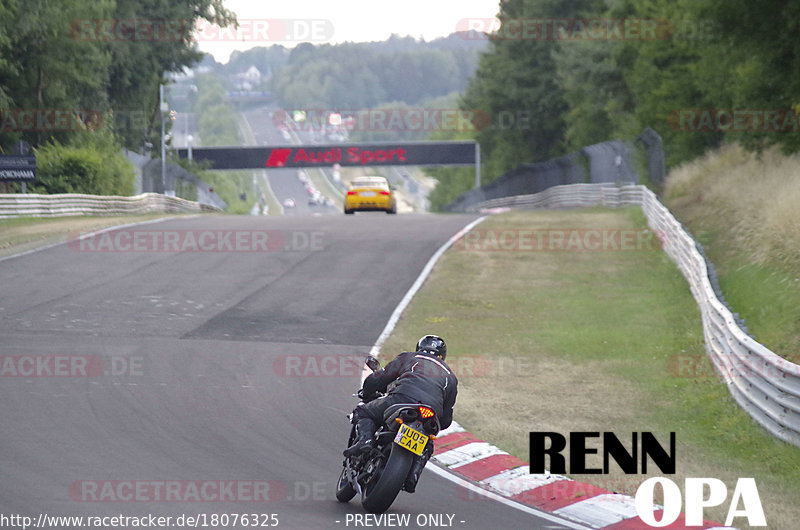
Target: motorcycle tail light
x=425 y=412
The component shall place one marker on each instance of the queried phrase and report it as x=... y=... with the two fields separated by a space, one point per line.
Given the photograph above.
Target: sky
x=326 y=21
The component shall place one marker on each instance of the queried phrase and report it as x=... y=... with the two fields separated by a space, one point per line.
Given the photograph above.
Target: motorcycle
x=379 y=475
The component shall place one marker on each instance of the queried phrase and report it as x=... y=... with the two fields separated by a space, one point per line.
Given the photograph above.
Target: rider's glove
x=367 y=397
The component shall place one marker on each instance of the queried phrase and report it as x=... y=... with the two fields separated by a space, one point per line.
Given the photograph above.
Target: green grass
x=272 y=203
x=229 y=184
x=25 y=233
x=26 y=221
x=743 y=208
x=769 y=300
x=589 y=341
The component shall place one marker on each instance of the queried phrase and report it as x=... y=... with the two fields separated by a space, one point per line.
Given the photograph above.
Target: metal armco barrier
x=61 y=205
x=606 y=162
x=764 y=384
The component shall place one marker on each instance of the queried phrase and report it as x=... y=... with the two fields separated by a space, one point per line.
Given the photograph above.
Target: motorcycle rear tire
x=377 y=497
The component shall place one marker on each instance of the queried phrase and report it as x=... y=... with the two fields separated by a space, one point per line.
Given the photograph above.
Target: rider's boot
x=410 y=484
x=365 y=428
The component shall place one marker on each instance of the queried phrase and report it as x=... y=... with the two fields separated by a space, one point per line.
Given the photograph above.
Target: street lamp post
x=162 y=105
x=477 y=165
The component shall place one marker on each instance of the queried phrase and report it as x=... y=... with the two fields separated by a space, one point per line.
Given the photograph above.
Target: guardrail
x=64 y=204
x=764 y=384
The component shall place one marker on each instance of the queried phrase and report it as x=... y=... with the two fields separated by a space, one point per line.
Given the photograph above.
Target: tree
x=517 y=86
x=45 y=69
x=139 y=65
x=78 y=66
x=754 y=64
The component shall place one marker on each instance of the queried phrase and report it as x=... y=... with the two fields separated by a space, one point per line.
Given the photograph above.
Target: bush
x=451 y=183
x=93 y=168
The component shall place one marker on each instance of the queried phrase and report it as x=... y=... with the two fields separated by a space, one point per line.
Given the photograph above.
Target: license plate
x=366 y=193
x=411 y=439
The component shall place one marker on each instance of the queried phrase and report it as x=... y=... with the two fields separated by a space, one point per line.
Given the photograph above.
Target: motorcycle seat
x=394 y=409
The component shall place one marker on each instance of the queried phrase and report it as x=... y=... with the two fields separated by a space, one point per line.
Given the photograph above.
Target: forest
x=553 y=76
x=699 y=72
x=547 y=78
x=80 y=79
x=711 y=71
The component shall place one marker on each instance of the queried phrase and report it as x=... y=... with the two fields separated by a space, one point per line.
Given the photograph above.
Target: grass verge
x=743 y=208
x=21 y=234
x=604 y=340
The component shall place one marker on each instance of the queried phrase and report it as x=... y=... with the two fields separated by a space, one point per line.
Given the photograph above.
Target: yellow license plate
x=411 y=439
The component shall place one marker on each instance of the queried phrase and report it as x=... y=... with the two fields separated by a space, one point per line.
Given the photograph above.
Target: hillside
x=357 y=75
x=742 y=207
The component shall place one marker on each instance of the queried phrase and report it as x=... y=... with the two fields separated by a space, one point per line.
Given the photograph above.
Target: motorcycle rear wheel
x=377 y=496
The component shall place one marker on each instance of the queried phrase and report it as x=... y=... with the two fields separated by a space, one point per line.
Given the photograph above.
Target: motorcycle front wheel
x=344 y=490
x=380 y=493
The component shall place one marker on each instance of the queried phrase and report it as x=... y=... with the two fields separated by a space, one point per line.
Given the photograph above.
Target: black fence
x=611 y=162
x=185 y=185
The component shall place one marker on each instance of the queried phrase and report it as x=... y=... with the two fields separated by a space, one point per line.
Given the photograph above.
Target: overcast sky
x=320 y=21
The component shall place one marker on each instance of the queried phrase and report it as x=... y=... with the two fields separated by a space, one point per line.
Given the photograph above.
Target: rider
x=421 y=376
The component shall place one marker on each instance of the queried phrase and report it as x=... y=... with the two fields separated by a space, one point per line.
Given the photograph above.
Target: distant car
x=289 y=203
x=316 y=199
x=371 y=193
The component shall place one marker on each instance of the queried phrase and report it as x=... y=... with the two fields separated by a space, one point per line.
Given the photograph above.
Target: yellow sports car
x=370 y=194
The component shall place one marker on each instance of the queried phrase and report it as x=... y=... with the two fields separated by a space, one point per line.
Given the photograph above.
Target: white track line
x=376 y=349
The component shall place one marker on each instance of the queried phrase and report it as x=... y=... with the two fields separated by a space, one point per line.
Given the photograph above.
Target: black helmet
x=433 y=344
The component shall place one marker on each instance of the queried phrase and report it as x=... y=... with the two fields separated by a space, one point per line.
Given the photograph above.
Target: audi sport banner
x=367 y=154
x=17 y=168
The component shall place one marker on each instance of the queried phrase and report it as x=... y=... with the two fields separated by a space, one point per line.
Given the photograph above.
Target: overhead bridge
x=455 y=153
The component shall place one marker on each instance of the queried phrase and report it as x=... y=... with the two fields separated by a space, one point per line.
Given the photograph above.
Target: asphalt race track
x=283 y=182
x=136 y=379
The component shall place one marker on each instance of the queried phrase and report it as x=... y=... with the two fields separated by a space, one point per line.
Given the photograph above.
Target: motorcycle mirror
x=373 y=363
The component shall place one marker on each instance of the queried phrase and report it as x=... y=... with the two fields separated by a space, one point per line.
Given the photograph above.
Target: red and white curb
x=493 y=469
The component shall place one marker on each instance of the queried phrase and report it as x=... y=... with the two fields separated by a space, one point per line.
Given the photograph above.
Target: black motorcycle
x=378 y=475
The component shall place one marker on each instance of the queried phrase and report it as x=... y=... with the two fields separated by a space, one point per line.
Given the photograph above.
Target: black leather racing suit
x=412 y=377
